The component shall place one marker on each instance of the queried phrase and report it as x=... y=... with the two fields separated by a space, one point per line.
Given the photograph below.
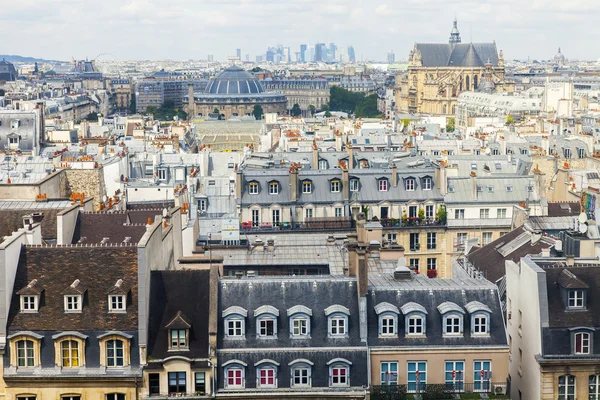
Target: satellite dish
x=583 y=228
x=582 y=218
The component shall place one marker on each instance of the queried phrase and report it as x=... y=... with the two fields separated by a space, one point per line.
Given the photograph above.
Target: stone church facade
x=439 y=72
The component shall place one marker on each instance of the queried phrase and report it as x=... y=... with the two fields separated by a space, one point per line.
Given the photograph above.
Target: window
x=25 y=356
x=70 y=353
x=29 y=303
x=354 y=185
x=162 y=174
x=335 y=186
x=267 y=327
x=417 y=375
x=594 y=387
x=116 y=303
x=385 y=212
x=200 y=382
x=115 y=396
x=308 y=213
x=567 y=152
x=461 y=238
x=114 y=353
x=427 y=183
x=484 y=213
x=566 y=387
x=452 y=325
x=414 y=242
x=300 y=327
x=178 y=339
x=253 y=188
x=486 y=238
x=202 y=205
x=412 y=211
x=154 y=384
x=414 y=264
x=387 y=325
x=337 y=326
x=480 y=324
x=322 y=164
x=389 y=373
x=482 y=376
x=431 y=263
x=501 y=213
x=339 y=375
x=415 y=325
x=431 y=240
x=301 y=376
x=581 y=153
x=338 y=212
x=306 y=187
x=72 y=303
x=70 y=397
x=455 y=375
x=177 y=382
x=383 y=185
x=576 y=299
x=235 y=327
x=582 y=343
x=276 y=217
x=235 y=378
x=410 y=185
x=266 y=377
x=429 y=211
x=273 y=188
x=459 y=213
x=255 y=219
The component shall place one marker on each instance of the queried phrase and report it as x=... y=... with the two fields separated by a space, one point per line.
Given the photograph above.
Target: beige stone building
x=439 y=72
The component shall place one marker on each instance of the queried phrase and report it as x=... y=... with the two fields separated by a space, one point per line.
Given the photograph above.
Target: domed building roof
x=559 y=57
x=234 y=80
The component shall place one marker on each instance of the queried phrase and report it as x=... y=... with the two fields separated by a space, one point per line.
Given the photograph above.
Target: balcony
x=311 y=224
x=169 y=396
x=441 y=391
x=410 y=222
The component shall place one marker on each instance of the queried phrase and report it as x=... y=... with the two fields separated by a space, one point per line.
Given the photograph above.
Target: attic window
x=576 y=299
x=116 y=303
x=179 y=332
x=162 y=174
x=498 y=166
x=490 y=189
x=30 y=297
x=73 y=297
x=451 y=189
x=479 y=188
x=509 y=188
x=73 y=303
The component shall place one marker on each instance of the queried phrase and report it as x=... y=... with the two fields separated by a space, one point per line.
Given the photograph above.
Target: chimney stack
x=315 y=156
x=238 y=183
x=345 y=183
x=350 y=155
x=473 y=180
x=293 y=183
x=394 y=175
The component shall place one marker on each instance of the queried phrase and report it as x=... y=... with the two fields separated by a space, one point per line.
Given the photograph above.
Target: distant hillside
x=12 y=58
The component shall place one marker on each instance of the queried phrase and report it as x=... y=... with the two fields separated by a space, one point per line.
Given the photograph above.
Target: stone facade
x=88 y=181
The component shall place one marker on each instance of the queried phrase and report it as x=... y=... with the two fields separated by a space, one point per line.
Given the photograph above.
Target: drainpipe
x=214 y=387
x=368 y=369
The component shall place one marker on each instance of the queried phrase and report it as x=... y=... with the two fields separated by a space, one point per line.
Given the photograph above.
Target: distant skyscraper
x=270 y=56
x=303 y=48
x=351 y=55
x=332 y=52
x=247 y=57
x=391 y=57
x=287 y=57
x=210 y=58
x=320 y=51
x=238 y=53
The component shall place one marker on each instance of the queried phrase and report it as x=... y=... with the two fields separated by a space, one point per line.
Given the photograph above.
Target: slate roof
x=95 y=226
x=462 y=192
x=563 y=209
x=454 y=294
x=489 y=259
x=170 y=294
x=458 y=55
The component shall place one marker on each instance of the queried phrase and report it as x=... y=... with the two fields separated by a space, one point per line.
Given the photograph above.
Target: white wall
x=66 y=221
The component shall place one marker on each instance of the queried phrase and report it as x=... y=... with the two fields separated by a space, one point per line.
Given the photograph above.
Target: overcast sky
x=191 y=29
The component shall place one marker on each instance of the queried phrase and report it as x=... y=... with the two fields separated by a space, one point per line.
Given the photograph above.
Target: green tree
x=258 y=112
x=367 y=107
x=256 y=69
x=325 y=107
x=216 y=111
x=405 y=122
x=450 y=125
x=312 y=109
x=133 y=104
x=327 y=114
x=510 y=120
x=296 y=111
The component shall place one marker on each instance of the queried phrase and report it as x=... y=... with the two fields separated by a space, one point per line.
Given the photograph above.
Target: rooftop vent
x=402 y=272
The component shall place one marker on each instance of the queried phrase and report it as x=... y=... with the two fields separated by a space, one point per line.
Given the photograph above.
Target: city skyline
x=140 y=30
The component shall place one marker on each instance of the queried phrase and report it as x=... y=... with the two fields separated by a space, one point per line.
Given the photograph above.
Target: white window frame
x=255 y=213
x=28 y=353
x=253 y=188
x=383 y=185
x=354 y=185
x=178 y=339
x=459 y=213
x=117 y=360
x=566 y=384
x=307 y=187
x=266 y=369
x=346 y=375
x=242 y=378
x=27 y=305
x=237 y=324
x=480 y=324
x=586 y=343
x=387 y=377
x=338 y=211
x=484 y=213
x=303 y=328
x=334 y=323
x=308 y=213
x=429 y=211
x=162 y=174
x=501 y=213
x=276 y=216
x=73 y=303
x=119 y=300
x=388 y=322
x=427 y=183
x=455 y=322
x=431 y=240
x=308 y=376
x=487 y=238
x=273 y=188
x=575 y=299
x=409 y=185
x=334 y=186
x=432 y=263
x=262 y=327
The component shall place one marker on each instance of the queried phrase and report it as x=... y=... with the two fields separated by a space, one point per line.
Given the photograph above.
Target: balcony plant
x=441 y=215
x=432 y=273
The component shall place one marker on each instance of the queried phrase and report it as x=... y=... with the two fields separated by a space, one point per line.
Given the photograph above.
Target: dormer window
x=307 y=187
x=162 y=174
x=427 y=183
x=73 y=303
x=73 y=297
x=299 y=317
x=480 y=318
x=354 y=185
x=29 y=303
x=576 y=298
x=582 y=343
x=179 y=332
x=388 y=319
x=274 y=188
x=409 y=184
x=117 y=297
x=452 y=317
x=235 y=322
x=253 y=188
x=116 y=303
x=322 y=164
x=415 y=319
x=30 y=297
x=337 y=317
x=266 y=321
x=383 y=185
x=335 y=186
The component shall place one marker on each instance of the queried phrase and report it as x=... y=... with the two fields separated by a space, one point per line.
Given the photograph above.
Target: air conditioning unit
x=499 y=389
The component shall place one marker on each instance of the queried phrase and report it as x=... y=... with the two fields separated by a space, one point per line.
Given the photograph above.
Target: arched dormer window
x=235 y=322
x=415 y=319
x=69 y=349
x=480 y=318
x=388 y=319
x=25 y=349
x=266 y=321
x=234 y=372
x=581 y=339
x=266 y=374
x=114 y=349
x=337 y=320
x=339 y=372
x=299 y=317
x=300 y=373
x=452 y=318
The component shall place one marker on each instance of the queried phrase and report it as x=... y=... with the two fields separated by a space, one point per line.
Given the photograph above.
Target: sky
x=192 y=29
